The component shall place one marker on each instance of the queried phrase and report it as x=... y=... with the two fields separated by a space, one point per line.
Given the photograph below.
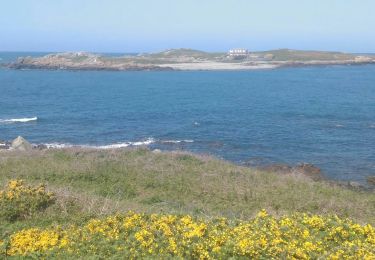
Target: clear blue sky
x=212 y=25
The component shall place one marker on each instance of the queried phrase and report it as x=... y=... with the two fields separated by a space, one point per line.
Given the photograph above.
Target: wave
x=176 y=141
x=109 y=146
x=19 y=120
x=126 y=144
x=59 y=145
x=119 y=145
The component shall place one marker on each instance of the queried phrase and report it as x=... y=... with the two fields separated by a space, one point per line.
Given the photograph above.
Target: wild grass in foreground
x=89 y=184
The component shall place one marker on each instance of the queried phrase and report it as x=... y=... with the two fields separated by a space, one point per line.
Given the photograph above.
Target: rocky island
x=188 y=59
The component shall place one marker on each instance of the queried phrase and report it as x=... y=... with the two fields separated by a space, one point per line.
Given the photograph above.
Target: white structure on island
x=238 y=52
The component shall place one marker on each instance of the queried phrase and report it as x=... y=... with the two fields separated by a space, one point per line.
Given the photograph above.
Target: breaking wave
x=19 y=120
x=119 y=145
x=176 y=141
x=109 y=146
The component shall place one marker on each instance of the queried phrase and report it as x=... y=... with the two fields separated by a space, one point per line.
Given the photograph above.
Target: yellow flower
x=262 y=214
x=297 y=236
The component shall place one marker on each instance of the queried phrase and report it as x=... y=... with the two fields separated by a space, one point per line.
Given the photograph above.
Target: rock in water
x=21 y=144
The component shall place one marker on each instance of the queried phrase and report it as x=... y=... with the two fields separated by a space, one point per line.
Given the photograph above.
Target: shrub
x=20 y=201
x=298 y=236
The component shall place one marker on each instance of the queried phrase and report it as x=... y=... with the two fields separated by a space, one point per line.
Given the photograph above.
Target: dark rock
x=40 y=147
x=306 y=169
x=4 y=145
x=371 y=180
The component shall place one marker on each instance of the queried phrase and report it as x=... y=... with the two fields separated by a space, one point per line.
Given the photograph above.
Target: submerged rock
x=21 y=144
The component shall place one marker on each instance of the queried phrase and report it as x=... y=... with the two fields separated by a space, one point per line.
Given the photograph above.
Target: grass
x=91 y=183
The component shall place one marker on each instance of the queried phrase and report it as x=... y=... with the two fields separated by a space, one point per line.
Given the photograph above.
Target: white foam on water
x=119 y=145
x=176 y=141
x=148 y=141
x=19 y=120
x=125 y=144
x=59 y=145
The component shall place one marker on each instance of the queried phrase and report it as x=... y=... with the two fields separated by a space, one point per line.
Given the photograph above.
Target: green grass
x=90 y=183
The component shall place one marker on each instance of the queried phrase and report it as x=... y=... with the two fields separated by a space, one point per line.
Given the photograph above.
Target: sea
x=319 y=115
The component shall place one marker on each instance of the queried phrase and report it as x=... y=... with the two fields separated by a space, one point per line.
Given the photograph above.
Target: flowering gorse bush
x=298 y=236
x=19 y=201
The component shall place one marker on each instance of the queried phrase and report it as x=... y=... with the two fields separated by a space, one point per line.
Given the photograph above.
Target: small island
x=189 y=59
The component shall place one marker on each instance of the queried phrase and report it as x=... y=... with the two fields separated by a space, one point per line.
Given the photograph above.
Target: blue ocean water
x=319 y=115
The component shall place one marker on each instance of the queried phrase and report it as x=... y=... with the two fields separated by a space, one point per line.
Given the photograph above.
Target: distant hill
x=177 y=53
x=300 y=55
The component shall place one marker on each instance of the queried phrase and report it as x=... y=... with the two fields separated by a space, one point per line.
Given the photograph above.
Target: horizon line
x=182 y=48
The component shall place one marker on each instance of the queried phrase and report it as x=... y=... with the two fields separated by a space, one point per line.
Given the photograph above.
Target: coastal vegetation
x=142 y=203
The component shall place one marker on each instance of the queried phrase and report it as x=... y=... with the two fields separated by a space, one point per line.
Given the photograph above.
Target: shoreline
x=209 y=66
x=305 y=169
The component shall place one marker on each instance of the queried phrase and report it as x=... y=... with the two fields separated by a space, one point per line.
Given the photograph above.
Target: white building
x=238 y=52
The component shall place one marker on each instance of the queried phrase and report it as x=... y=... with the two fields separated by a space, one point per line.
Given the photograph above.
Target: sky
x=212 y=25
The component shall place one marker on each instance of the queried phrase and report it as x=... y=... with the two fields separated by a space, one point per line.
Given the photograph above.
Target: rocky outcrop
x=371 y=180
x=309 y=170
x=306 y=169
x=81 y=61
x=21 y=144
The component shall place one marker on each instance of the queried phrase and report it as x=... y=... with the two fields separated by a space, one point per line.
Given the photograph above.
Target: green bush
x=20 y=201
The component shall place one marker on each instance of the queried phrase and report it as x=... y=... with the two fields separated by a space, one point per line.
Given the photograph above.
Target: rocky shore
x=20 y=144
x=80 y=61
x=311 y=171
x=185 y=59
